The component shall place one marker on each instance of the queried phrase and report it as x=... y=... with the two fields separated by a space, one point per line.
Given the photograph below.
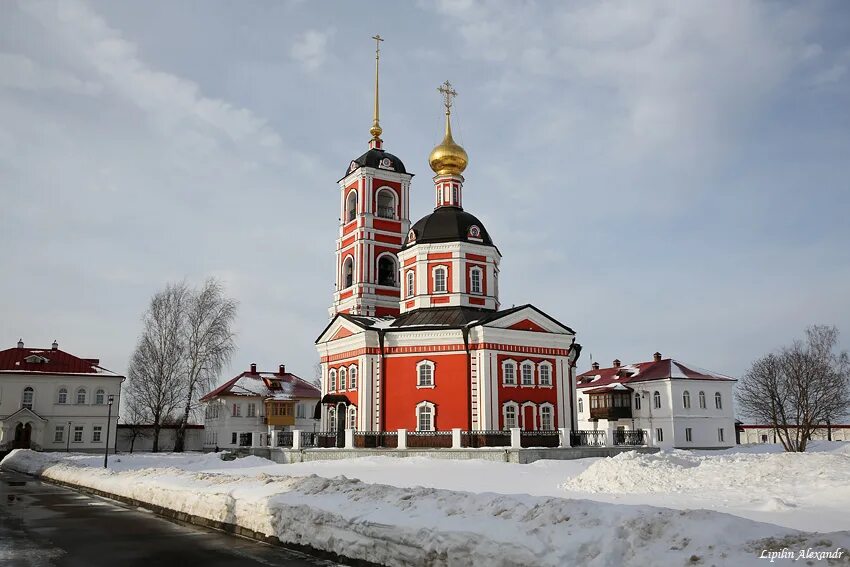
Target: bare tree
x=154 y=376
x=800 y=388
x=208 y=344
x=136 y=419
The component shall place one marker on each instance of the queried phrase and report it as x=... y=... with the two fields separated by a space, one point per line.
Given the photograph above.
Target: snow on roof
x=268 y=385
x=49 y=361
x=664 y=369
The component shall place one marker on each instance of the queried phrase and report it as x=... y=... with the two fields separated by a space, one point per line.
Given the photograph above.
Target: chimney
x=616 y=363
x=20 y=343
x=595 y=366
x=282 y=369
x=55 y=345
x=253 y=368
x=656 y=357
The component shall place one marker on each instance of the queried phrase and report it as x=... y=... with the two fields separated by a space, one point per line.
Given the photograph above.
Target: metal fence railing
x=630 y=437
x=587 y=438
x=376 y=439
x=429 y=439
x=485 y=438
x=540 y=438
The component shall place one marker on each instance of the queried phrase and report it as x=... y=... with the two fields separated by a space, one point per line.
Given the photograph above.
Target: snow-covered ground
x=632 y=509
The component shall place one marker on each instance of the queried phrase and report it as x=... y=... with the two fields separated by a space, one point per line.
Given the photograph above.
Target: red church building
x=417 y=338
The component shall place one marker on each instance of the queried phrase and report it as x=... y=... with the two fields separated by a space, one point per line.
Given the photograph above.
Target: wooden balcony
x=611 y=405
x=611 y=414
x=280 y=413
x=279 y=420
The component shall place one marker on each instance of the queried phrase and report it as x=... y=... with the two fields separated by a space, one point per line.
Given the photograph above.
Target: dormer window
x=36 y=359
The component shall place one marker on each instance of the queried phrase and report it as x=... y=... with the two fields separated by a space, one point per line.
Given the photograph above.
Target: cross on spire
x=378 y=39
x=448 y=94
x=376 y=129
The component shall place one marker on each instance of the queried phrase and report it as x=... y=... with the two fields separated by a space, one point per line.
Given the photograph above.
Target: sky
x=660 y=176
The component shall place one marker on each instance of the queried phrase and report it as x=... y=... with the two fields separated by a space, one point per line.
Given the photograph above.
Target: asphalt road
x=42 y=525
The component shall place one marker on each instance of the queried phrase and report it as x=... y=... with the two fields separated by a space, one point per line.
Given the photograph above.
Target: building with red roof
x=670 y=402
x=55 y=401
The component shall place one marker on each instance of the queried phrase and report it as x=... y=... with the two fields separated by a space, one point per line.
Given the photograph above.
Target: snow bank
x=428 y=526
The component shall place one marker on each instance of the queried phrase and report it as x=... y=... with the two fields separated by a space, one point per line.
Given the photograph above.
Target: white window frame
x=656 y=400
x=721 y=435
x=332 y=380
x=348 y=213
x=102 y=393
x=349 y=258
x=702 y=400
x=252 y=409
x=236 y=410
x=395 y=200
x=332 y=419
x=689 y=435
x=514 y=366
x=422 y=364
x=78 y=429
x=525 y=364
x=96 y=433
x=432 y=410
x=352 y=417
x=551 y=409
x=686 y=400
x=59 y=434
x=580 y=404
x=540 y=367
x=515 y=407
x=62 y=390
x=410 y=276
x=718 y=400
x=472 y=272
x=392 y=259
x=77 y=396
x=434 y=271
x=352 y=377
x=343 y=379
x=659 y=434
x=637 y=401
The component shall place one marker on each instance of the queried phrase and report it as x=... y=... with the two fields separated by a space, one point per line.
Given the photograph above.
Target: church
x=417 y=338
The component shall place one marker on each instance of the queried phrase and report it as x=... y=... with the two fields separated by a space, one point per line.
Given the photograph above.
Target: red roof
x=664 y=369
x=284 y=386
x=48 y=361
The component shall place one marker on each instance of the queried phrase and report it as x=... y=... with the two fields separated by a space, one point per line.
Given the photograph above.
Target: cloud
x=310 y=49
x=20 y=72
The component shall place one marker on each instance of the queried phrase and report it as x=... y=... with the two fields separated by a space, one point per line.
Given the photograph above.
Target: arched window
x=637 y=401
x=475 y=280
x=81 y=396
x=527 y=374
x=348 y=272
x=332 y=419
x=425 y=374
x=386 y=271
x=352 y=417
x=439 y=280
x=545 y=371
x=686 y=400
x=342 y=380
x=425 y=417
x=455 y=200
x=656 y=400
x=386 y=204
x=27 y=398
x=332 y=381
x=99 y=397
x=509 y=413
x=352 y=377
x=581 y=405
x=546 y=421
x=351 y=206
x=63 y=396
x=718 y=402
x=509 y=373
x=702 y=400
x=411 y=283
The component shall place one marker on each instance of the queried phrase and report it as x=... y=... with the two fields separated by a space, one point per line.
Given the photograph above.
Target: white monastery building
x=677 y=404
x=247 y=410
x=51 y=400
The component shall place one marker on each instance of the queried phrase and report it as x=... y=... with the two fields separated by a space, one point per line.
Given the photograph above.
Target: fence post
x=402 y=439
x=274 y=435
x=255 y=439
x=296 y=439
x=563 y=437
x=349 y=439
x=516 y=442
x=456 y=438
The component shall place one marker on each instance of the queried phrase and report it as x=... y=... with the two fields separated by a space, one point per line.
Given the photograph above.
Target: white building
x=767 y=434
x=676 y=404
x=51 y=400
x=245 y=410
x=137 y=438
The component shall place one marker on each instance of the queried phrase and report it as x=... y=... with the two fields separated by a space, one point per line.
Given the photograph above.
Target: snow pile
x=402 y=526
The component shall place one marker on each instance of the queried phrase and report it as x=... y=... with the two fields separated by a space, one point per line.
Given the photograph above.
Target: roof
x=48 y=361
x=447 y=224
x=664 y=369
x=270 y=385
x=379 y=159
x=609 y=388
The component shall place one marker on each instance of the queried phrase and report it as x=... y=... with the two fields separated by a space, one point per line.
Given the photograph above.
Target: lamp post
x=68 y=442
x=109 y=401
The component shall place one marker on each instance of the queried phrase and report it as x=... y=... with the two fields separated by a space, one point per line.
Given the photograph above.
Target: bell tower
x=374 y=217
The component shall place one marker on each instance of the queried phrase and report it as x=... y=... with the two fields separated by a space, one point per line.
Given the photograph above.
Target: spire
x=375 y=130
x=448 y=158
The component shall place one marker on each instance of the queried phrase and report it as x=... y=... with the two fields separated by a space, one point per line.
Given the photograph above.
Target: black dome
x=448 y=224
x=379 y=159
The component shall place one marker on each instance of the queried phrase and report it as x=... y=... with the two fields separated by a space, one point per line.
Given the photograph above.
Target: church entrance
x=341 y=415
x=23 y=434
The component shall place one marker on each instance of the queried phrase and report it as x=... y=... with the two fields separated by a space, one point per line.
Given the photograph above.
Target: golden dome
x=448 y=158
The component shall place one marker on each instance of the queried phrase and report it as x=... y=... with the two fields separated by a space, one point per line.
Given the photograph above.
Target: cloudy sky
x=669 y=176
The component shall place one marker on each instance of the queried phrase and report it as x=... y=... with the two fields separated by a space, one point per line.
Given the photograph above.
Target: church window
x=656 y=400
x=332 y=381
x=342 y=379
x=386 y=271
x=702 y=400
x=475 y=280
x=352 y=417
x=545 y=374
x=386 y=204
x=351 y=206
x=455 y=200
x=348 y=272
x=510 y=412
x=332 y=419
x=352 y=377
x=439 y=280
x=27 y=398
x=546 y=417
x=527 y=374
x=509 y=373
x=425 y=417
x=425 y=374
x=63 y=396
x=686 y=400
x=411 y=283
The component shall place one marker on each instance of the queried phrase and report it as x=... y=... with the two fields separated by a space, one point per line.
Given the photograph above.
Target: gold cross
x=448 y=93
x=378 y=39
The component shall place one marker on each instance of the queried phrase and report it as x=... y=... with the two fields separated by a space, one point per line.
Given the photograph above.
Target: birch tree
x=799 y=389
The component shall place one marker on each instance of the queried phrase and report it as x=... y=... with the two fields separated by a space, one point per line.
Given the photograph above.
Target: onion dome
x=448 y=224
x=448 y=158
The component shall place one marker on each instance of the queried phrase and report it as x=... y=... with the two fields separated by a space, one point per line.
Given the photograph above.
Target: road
x=42 y=525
